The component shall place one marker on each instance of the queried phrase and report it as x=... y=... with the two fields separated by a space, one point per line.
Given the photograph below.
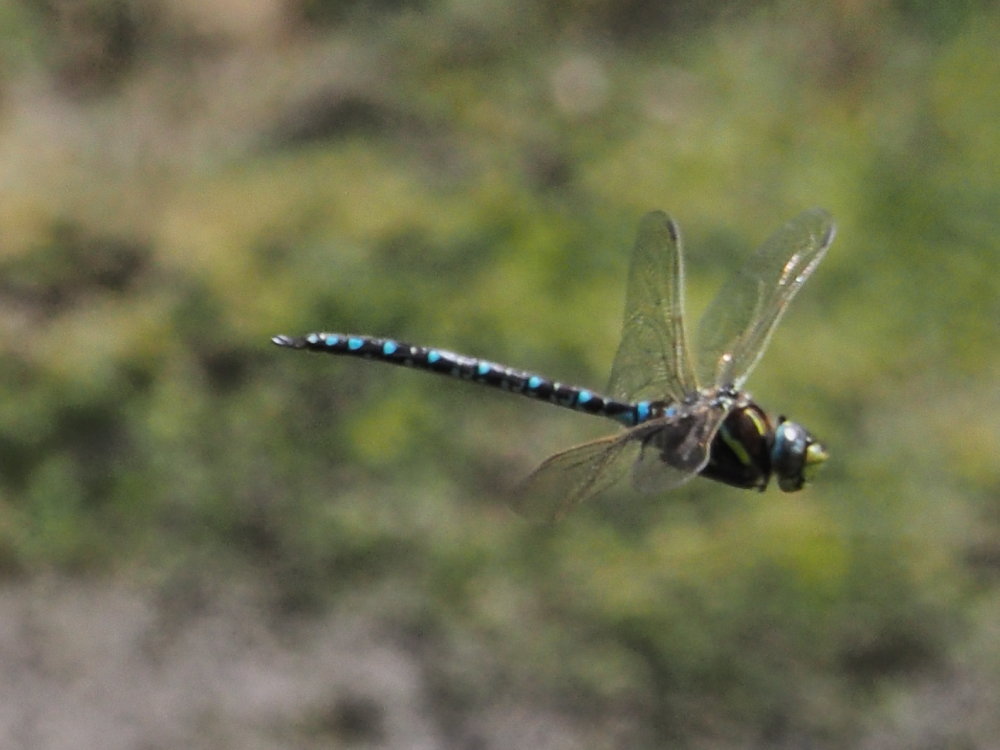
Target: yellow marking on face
x=815 y=455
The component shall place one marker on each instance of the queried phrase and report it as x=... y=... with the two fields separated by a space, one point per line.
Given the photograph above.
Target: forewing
x=677 y=448
x=736 y=327
x=566 y=479
x=652 y=361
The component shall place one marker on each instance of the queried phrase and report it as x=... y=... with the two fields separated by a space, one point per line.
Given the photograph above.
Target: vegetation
x=179 y=183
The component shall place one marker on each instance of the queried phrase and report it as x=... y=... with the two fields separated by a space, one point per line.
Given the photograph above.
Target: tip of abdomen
x=282 y=340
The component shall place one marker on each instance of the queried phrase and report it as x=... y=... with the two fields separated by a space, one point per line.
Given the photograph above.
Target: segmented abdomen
x=476 y=370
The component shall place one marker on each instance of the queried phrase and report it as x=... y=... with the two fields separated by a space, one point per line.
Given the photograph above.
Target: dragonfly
x=683 y=413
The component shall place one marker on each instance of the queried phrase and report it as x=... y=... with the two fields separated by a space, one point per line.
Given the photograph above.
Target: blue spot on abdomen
x=641 y=411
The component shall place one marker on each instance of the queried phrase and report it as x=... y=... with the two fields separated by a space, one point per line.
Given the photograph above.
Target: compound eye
x=795 y=456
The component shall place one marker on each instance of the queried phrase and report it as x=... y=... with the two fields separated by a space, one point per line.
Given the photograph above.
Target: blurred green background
x=179 y=181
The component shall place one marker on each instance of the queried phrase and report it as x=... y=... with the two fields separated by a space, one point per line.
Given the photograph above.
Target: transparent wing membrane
x=662 y=453
x=652 y=361
x=566 y=479
x=736 y=327
x=676 y=449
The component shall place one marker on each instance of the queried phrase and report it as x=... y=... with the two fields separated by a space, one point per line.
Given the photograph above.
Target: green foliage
x=469 y=176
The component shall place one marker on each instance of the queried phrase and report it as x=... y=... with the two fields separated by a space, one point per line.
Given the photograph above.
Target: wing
x=736 y=327
x=566 y=479
x=663 y=452
x=677 y=448
x=652 y=361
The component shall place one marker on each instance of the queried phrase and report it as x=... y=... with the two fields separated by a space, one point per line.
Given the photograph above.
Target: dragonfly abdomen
x=473 y=369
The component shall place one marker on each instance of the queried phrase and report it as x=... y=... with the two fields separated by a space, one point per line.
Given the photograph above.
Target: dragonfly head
x=795 y=455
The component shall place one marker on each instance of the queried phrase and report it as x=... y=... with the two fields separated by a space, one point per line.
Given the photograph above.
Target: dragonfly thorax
x=749 y=448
